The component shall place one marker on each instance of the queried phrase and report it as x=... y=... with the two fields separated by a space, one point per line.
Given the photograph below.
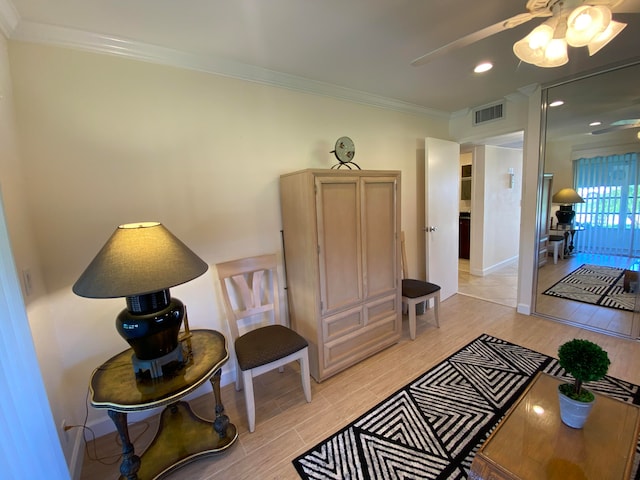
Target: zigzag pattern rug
x=597 y=285
x=431 y=428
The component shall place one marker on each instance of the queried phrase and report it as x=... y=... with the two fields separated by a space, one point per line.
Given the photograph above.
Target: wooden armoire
x=341 y=234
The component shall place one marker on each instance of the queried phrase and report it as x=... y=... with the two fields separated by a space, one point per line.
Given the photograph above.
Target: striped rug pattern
x=432 y=427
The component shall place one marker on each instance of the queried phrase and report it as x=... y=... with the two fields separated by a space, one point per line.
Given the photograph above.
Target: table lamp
x=140 y=262
x=566 y=198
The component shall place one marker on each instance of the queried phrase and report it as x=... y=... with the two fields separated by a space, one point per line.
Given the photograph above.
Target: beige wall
x=106 y=141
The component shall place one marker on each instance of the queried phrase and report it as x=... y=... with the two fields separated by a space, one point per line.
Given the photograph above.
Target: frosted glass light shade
x=605 y=37
x=585 y=23
x=532 y=47
x=555 y=54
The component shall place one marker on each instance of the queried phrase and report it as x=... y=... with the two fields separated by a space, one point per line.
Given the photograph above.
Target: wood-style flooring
x=286 y=425
x=501 y=287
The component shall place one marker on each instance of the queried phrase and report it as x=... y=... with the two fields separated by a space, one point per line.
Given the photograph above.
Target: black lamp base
x=566 y=214
x=151 y=324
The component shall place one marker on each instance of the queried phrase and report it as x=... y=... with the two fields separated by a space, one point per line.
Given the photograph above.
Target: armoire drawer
x=361 y=343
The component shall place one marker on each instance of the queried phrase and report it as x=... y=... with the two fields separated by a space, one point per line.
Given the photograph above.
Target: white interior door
x=442 y=164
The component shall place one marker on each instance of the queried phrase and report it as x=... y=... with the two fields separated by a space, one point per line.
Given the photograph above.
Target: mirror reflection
x=589 y=206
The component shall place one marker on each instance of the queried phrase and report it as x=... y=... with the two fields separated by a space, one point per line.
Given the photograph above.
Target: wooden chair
x=415 y=292
x=252 y=302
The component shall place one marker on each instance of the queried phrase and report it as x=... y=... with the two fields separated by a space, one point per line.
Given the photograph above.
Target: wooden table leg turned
x=221 y=422
x=130 y=461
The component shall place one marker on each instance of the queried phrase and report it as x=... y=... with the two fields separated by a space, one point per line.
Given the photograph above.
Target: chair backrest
x=404 y=255
x=251 y=294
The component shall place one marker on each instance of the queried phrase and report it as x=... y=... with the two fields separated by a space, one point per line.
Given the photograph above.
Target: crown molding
x=111 y=45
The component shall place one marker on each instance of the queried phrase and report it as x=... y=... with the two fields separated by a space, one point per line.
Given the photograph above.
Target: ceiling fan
x=567 y=17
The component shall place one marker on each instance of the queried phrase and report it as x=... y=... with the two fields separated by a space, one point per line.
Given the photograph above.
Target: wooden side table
x=182 y=436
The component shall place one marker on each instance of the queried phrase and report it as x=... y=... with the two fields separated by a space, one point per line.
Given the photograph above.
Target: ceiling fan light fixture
x=555 y=55
x=531 y=49
x=585 y=23
x=605 y=37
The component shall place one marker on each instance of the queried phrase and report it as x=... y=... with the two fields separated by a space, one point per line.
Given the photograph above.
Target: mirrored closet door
x=589 y=210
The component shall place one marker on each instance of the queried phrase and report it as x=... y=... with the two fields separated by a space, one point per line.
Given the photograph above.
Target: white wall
x=106 y=141
x=29 y=441
x=496 y=219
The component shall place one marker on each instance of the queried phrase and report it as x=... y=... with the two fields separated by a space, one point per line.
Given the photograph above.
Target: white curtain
x=611 y=212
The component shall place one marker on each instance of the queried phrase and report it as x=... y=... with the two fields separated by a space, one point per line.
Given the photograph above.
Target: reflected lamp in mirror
x=140 y=262
x=566 y=198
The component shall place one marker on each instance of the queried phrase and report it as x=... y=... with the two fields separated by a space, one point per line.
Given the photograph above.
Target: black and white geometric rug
x=597 y=285
x=432 y=427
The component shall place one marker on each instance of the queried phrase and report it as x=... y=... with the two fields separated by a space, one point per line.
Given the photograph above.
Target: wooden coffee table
x=531 y=441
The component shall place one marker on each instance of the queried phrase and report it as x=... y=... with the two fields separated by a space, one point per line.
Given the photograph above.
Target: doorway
x=491 y=215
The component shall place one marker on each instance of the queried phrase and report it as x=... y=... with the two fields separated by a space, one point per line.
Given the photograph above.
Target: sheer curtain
x=611 y=212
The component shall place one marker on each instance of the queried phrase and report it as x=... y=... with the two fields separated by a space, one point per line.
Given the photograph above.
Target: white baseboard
x=489 y=270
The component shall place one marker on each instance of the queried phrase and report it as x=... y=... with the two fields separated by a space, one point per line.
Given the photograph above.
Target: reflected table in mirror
x=182 y=435
x=569 y=233
x=532 y=442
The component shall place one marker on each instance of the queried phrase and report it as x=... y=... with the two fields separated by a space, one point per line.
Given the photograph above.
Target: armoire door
x=339 y=241
x=379 y=224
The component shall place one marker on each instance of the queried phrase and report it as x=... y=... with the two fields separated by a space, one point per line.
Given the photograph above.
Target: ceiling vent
x=488 y=114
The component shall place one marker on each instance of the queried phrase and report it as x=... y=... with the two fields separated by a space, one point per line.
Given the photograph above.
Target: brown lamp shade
x=139 y=258
x=567 y=196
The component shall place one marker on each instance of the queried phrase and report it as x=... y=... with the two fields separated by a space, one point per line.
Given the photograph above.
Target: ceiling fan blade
x=615 y=128
x=475 y=37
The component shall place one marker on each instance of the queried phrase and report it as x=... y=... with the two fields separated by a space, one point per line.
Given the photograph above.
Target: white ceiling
x=357 y=49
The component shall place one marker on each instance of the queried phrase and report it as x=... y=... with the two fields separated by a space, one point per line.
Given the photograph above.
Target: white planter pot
x=572 y=412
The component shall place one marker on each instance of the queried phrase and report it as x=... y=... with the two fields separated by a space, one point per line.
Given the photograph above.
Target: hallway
x=499 y=287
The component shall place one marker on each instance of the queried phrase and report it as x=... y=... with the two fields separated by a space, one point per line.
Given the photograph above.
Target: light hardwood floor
x=500 y=286
x=286 y=425
x=614 y=321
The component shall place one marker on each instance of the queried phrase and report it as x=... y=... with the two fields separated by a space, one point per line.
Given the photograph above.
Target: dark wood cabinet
x=464 y=237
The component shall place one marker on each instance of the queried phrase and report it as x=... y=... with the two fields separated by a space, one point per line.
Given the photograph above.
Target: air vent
x=488 y=114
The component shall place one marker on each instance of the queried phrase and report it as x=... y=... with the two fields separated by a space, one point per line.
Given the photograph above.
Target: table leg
x=221 y=422
x=573 y=234
x=130 y=461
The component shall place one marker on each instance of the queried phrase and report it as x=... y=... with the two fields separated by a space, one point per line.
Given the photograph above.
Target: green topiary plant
x=585 y=362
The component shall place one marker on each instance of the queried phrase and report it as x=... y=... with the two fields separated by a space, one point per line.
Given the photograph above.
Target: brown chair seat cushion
x=267 y=344
x=417 y=288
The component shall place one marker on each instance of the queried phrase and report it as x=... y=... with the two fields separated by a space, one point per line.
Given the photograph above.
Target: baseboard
x=524 y=309
x=489 y=270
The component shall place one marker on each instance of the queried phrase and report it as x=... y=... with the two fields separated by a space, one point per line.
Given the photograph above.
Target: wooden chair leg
x=306 y=377
x=247 y=379
x=238 y=378
x=411 y=306
x=436 y=308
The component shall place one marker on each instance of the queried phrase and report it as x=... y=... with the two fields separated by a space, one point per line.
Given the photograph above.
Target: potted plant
x=585 y=362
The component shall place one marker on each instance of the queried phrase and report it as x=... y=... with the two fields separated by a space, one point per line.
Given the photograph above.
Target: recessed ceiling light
x=595 y=124
x=556 y=103
x=483 y=67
